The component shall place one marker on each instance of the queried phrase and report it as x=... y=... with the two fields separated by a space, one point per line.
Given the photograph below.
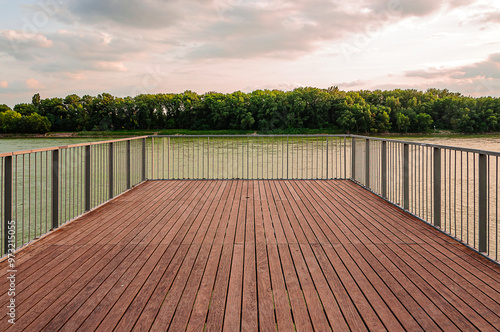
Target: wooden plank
x=240 y=221
x=267 y=320
x=302 y=320
x=341 y=208
x=261 y=236
x=271 y=219
x=283 y=218
x=215 y=319
x=249 y=313
x=232 y=316
x=199 y=310
x=282 y=303
x=230 y=232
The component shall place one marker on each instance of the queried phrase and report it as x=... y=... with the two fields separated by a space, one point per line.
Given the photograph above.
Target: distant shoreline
x=440 y=134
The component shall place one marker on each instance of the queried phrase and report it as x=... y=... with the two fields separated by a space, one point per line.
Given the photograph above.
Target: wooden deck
x=251 y=255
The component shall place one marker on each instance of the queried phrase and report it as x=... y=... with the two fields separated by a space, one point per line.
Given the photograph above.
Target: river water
x=19 y=144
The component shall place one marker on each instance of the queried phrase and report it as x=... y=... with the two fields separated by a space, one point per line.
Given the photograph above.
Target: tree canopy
x=264 y=110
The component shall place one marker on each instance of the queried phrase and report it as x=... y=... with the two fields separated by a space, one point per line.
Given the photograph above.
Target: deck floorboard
x=251 y=255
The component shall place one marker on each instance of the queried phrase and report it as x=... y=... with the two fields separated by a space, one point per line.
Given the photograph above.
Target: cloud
x=487 y=19
x=426 y=73
x=65 y=51
x=486 y=69
x=33 y=84
x=89 y=51
x=477 y=79
x=353 y=84
x=23 y=45
x=248 y=29
x=282 y=87
x=147 y=14
x=4 y=84
x=417 y=8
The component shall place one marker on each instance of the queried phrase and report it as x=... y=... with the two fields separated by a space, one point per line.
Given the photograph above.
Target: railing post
x=143 y=175
x=483 y=203
x=111 y=171
x=152 y=157
x=7 y=201
x=437 y=187
x=208 y=157
x=128 y=164
x=87 y=177
x=367 y=163
x=55 y=189
x=287 y=158
x=406 y=176
x=384 y=169
x=353 y=159
x=248 y=157
x=327 y=157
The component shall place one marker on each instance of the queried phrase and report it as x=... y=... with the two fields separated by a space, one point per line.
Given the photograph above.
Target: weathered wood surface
x=251 y=255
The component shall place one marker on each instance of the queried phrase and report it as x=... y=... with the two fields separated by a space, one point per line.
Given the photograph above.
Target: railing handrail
x=448 y=147
x=61 y=147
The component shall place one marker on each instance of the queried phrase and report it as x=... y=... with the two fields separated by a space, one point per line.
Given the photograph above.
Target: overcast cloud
x=58 y=47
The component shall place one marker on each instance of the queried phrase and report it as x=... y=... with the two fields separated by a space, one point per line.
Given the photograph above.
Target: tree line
x=362 y=111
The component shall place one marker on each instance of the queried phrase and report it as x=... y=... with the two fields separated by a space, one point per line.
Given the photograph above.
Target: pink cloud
x=33 y=84
x=4 y=84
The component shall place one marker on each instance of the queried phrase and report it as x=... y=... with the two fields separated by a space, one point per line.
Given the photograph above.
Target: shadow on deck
x=247 y=255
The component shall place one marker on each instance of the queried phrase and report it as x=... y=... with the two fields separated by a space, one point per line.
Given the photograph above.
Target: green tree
x=4 y=108
x=25 y=109
x=9 y=121
x=423 y=122
x=402 y=122
x=34 y=123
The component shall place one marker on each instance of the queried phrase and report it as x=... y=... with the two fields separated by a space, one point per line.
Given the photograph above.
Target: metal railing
x=250 y=157
x=44 y=188
x=454 y=189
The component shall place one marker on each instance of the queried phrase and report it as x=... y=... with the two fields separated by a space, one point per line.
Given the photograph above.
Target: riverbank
x=124 y=133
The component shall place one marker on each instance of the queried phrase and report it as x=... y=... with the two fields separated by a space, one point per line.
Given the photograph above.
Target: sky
x=130 y=47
